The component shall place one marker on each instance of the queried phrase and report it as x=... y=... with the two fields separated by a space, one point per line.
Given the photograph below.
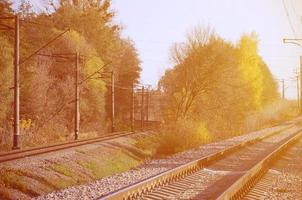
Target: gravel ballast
x=150 y=168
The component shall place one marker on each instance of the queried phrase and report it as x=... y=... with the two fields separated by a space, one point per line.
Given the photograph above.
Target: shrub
x=182 y=135
x=272 y=114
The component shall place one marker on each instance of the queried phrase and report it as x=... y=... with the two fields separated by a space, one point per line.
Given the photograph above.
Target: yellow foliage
x=76 y=39
x=250 y=69
x=25 y=124
x=91 y=65
x=203 y=133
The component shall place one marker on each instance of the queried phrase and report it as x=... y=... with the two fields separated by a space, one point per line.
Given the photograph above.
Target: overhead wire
x=32 y=22
x=288 y=18
x=294 y=9
x=42 y=47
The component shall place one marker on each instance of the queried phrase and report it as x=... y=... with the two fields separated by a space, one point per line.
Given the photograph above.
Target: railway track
x=280 y=180
x=226 y=174
x=17 y=154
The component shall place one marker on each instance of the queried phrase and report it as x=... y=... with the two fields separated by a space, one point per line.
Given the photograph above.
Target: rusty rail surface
x=138 y=190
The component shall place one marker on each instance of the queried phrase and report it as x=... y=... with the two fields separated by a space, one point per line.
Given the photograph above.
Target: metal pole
x=283 y=96
x=298 y=92
x=112 y=102
x=16 y=144
x=132 y=108
x=300 y=84
x=77 y=99
x=142 y=108
x=147 y=105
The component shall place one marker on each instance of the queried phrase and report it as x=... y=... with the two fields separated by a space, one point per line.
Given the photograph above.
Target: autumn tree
x=94 y=22
x=6 y=74
x=47 y=81
x=216 y=82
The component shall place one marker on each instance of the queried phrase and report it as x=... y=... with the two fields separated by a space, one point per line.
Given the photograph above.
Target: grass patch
x=63 y=169
x=13 y=180
x=64 y=183
x=121 y=162
x=118 y=162
x=148 y=144
x=71 y=177
x=93 y=167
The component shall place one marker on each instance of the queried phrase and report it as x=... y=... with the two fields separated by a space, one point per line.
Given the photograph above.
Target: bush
x=272 y=114
x=182 y=135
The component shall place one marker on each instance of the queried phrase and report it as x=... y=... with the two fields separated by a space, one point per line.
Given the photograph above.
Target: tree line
x=214 y=86
x=47 y=82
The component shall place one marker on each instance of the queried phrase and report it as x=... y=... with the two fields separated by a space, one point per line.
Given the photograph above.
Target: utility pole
x=283 y=89
x=77 y=99
x=16 y=144
x=296 y=42
x=142 y=108
x=147 y=105
x=132 y=108
x=300 y=100
x=17 y=63
x=112 y=102
x=298 y=92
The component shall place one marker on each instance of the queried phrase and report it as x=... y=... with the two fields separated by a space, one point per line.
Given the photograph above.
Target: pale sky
x=154 y=25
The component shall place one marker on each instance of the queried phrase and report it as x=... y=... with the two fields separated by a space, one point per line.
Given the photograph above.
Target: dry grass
x=272 y=114
x=14 y=179
x=183 y=135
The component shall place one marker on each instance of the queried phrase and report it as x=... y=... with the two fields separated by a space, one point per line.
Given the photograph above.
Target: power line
x=288 y=18
x=94 y=73
x=45 y=45
x=6 y=17
x=35 y=23
x=294 y=9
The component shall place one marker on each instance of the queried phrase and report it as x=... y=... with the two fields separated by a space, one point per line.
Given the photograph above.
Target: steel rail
x=239 y=188
x=139 y=189
x=17 y=154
